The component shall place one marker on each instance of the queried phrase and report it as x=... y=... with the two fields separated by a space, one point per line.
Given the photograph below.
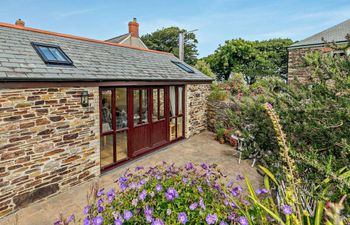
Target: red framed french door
x=147 y=120
x=176 y=112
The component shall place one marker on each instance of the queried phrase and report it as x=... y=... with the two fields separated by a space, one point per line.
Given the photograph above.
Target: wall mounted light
x=85 y=98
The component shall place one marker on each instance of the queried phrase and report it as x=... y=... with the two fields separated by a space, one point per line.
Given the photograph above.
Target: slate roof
x=93 y=60
x=336 y=33
x=119 y=38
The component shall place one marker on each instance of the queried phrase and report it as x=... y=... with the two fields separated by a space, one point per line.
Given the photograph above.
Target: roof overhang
x=315 y=45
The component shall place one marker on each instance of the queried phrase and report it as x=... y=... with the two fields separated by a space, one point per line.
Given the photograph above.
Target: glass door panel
x=106 y=111
x=122 y=145
x=106 y=153
x=176 y=128
x=121 y=108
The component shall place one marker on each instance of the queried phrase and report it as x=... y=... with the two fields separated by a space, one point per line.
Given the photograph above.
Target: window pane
x=172 y=101
x=179 y=127
x=106 y=145
x=106 y=110
x=57 y=54
x=172 y=126
x=47 y=53
x=122 y=145
x=155 y=105
x=144 y=106
x=180 y=90
x=121 y=108
x=161 y=103
x=136 y=107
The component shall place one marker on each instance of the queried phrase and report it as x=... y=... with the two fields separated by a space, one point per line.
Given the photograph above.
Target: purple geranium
x=110 y=195
x=98 y=220
x=242 y=220
x=193 y=206
x=211 y=218
x=182 y=218
x=223 y=223
x=86 y=221
x=70 y=218
x=118 y=222
x=171 y=194
x=127 y=214
x=201 y=204
x=149 y=218
x=189 y=166
x=143 y=195
x=239 y=177
x=159 y=188
x=100 y=193
x=87 y=209
x=287 y=210
x=199 y=188
x=261 y=191
x=158 y=222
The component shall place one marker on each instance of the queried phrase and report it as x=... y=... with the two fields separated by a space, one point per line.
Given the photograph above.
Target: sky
x=216 y=20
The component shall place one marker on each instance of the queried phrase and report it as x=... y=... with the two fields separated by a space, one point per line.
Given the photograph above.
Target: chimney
x=134 y=28
x=19 y=23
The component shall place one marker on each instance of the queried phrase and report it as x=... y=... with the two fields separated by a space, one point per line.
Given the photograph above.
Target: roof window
x=183 y=66
x=52 y=54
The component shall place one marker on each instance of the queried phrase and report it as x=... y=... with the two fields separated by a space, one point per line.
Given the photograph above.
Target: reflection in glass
x=122 y=145
x=144 y=106
x=161 y=103
x=106 y=144
x=121 y=108
x=136 y=96
x=106 y=110
x=172 y=126
x=180 y=90
x=179 y=127
x=155 y=105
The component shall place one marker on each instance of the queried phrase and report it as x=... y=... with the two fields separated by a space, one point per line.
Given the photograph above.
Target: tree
x=252 y=58
x=167 y=40
x=204 y=67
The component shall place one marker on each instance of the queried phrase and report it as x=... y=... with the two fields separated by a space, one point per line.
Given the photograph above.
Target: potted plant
x=220 y=133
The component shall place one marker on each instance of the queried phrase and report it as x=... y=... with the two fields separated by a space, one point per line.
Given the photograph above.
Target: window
x=52 y=54
x=183 y=66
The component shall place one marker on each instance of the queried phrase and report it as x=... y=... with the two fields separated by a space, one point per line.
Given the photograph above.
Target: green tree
x=204 y=67
x=167 y=40
x=252 y=58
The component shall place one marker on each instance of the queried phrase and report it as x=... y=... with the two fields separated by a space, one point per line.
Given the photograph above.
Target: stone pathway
x=201 y=148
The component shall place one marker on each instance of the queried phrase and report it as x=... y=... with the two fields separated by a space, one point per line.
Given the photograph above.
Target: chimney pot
x=134 y=28
x=20 y=23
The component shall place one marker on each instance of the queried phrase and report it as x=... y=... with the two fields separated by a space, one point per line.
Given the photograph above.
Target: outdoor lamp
x=85 y=98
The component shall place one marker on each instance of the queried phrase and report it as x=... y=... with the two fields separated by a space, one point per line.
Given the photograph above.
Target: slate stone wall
x=295 y=70
x=49 y=142
x=196 y=108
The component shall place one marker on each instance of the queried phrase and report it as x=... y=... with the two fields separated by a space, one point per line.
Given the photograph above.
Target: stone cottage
x=72 y=108
x=317 y=42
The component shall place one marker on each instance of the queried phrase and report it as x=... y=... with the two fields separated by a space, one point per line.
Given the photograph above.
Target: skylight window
x=52 y=54
x=183 y=66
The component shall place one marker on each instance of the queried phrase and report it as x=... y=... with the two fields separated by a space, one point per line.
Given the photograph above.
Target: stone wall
x=49 y=142
x=196 y=108
x=295 y=70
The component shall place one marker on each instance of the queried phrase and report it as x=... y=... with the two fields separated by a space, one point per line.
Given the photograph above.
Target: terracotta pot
x=222 y=140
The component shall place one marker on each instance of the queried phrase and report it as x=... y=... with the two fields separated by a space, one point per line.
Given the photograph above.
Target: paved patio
x=201 y=148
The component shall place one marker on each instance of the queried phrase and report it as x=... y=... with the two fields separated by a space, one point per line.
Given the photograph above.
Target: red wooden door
x=147 y=119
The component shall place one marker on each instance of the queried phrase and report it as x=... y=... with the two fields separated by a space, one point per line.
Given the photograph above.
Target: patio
x=201 y=148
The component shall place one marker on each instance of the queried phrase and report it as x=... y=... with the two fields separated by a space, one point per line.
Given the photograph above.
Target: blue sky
x=217 y=20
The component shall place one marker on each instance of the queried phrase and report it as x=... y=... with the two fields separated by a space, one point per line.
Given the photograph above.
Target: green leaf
x=272 y=214
x=319 y=212
x=268 y=173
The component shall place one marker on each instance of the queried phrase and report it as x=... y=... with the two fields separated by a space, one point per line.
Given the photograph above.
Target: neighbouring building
x=72 y=108
x=132 y=38
x=317 y=42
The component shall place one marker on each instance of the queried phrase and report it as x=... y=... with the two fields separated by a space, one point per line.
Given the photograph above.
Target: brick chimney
x=134 y=28
x=19 y=23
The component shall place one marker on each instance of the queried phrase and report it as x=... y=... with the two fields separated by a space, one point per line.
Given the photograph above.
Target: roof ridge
x=78 y=38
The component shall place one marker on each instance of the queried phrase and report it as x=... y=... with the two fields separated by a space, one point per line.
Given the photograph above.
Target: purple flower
x=233 y=205
x=287 y=210
x=143 y=195
x=211 y=218
x=100 y=193
x=100 y=209
x=159 y=188
x=86 y=221
x=133 y=185
x=239 y=177
x=204 y=166
x=87 y=209
x=199 y=189
x=110 y=195
x=230 y=183
x=70 y=218
x=223 y=223
x=143 y=181
x=201 y=204
x=158 y=222
x=185 y=180
x=182 y=218
x=134 y=202
x=189 y=166
x=139 y=168
x=261 y=191
x=242 y=220
x=235 y=192
x=149 y=218
x=98 y=220
x=158 y=177
x=57 y=222
x=148 y=210
x=193 y=206
x=171 y=194
x=118 y=222
x=168 y=212
x=127 y=214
